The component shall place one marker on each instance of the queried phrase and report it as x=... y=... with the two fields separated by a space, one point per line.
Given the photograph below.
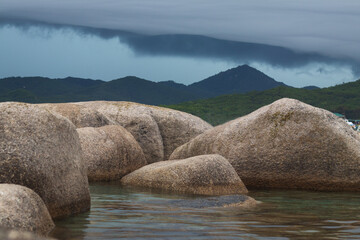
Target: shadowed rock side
x=206 y=175
x=21 y=208
x=11 y=234
x=42 y=151
x=287 y=144
x=110 y=152
x=79 y=115
x=215 y=202
x=141 y=125
x=158 y=130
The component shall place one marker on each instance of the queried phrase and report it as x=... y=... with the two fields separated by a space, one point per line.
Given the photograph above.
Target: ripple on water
x=122 y=213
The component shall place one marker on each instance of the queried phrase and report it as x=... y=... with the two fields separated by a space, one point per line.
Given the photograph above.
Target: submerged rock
x=207 y=175
x=158 y=130
x=80 y=116
x=214 y=202
x=12 y=234
x=110 y=152
x=42 y=151
x=21 y=208
x=287 y=144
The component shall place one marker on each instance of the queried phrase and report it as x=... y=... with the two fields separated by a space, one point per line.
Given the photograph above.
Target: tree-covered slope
x=343 y=98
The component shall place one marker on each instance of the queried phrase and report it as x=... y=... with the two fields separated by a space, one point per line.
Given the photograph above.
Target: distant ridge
x=311 y=87
x=39 y=89
x=241 y=79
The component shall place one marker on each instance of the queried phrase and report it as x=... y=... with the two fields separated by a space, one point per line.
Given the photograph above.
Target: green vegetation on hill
x=343 y=98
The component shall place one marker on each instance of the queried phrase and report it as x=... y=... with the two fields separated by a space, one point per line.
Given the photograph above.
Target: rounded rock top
x=22 y=209
x=204 y=175
x=287 y=144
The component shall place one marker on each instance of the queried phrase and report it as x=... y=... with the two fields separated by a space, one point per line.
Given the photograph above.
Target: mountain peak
x=240 y=79
x=245 y=66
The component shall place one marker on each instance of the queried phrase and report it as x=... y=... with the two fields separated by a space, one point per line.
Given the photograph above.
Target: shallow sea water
x=123 y=213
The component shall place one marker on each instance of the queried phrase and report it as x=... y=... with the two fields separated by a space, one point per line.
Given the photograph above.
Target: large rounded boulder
x=80 y=116
x=42 y=151
x=158 y=130
x=22 y=209
x=287 y=144
x=204 y=175
x=110 y=152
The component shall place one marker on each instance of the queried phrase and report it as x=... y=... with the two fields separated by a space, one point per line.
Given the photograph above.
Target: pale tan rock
x=287 y=144
x=177 y=127
x=207 y=175
x=141 y=125
x=110 y=152
x=158 y=130
x=21 y=208
x=41 y=150
x=80 y=116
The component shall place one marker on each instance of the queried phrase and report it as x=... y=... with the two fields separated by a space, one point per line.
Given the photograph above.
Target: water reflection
x=123 y=213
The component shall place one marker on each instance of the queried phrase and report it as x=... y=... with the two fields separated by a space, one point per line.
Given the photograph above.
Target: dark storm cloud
x=197 y=46
x=326 y=26
x=306 y=31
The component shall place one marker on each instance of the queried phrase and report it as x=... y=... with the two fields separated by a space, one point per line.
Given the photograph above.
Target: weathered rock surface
x=80 y=116
x=207 y=175
x=215 y=202
x=287 y=144
x=110 y=152
x=21 y=208
x=12 y=234
x=42 y=151
x=158 y=130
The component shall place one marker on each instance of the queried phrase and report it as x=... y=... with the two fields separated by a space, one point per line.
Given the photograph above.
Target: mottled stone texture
x=207 y=175
x=21 y=208
x=158 y=130
x=79 y=115
x=287 y=144
x=110 y=152
x=42 y=151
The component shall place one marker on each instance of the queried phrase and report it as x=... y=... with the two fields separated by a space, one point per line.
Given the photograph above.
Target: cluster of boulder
x=49 y=153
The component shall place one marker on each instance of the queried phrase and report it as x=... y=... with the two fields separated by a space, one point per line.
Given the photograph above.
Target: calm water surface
x=121 y=213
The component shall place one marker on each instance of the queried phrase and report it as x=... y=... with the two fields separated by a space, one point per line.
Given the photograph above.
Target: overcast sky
x=298 y=42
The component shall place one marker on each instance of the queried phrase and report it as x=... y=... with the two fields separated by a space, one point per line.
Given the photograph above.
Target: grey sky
x=325 y=26
x=320 y=38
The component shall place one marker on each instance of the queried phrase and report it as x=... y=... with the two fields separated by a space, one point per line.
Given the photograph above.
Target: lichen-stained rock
x=41 y=150
x=158 y=130
x=177 y=127
x=141 y=125
x=205 y=175
x=110 y=152
x=21 y=208
x=80 y=116
x=287 y=144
